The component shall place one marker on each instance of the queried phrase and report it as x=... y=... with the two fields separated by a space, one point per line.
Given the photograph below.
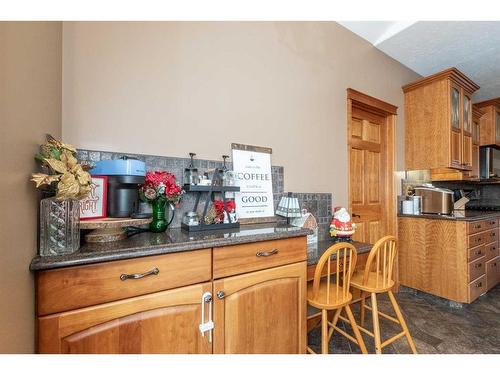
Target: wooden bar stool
x=327 y=295
x=377 y=278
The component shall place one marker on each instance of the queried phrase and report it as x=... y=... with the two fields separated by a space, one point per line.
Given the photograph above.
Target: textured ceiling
x=428 y=47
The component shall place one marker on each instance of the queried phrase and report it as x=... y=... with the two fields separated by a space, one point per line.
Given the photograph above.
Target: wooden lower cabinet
x=492 y=272
x=164 y=322
x=261 y=312
x=448 y=258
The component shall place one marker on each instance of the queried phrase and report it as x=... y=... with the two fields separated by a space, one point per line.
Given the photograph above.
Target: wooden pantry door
x=371 y=130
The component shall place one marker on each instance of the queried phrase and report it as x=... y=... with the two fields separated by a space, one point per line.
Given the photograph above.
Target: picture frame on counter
x=95 y=205
x=252 y=169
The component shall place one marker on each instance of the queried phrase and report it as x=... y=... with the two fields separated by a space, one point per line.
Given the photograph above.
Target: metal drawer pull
x=479 y=284
x=124 y=276
x=479 y=265
x=267 y=253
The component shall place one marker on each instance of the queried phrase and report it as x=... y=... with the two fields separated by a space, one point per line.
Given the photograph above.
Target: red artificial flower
x=230 y=206
x=163 y=183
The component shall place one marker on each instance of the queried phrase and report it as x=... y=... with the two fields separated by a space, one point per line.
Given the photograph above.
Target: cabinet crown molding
x=487 y=103
x=452 y=74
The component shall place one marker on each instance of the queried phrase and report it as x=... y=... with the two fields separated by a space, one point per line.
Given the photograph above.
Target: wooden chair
x=327 y=294
x=376 y=278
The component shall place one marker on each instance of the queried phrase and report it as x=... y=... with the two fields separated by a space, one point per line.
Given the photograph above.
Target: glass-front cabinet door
x=475 y=132
x=467 y=114
x=497 y=127
x=455 y=107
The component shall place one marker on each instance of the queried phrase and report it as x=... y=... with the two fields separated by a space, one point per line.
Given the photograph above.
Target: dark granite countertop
x=467 y=215
x=171 y=241
x=316 y=250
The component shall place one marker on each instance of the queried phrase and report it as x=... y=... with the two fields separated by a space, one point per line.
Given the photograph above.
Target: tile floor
x=436 y=326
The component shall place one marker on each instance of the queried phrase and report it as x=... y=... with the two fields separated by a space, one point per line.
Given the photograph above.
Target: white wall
x=168 y=88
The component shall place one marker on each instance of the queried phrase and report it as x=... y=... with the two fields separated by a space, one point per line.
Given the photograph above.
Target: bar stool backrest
x=340 y=258
x=381 y=262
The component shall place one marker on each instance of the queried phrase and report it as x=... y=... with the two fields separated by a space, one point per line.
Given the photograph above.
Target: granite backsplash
x=319 y=204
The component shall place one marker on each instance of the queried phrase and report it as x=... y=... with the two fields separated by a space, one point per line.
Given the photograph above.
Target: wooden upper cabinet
x=438 y=121
x=490 y=122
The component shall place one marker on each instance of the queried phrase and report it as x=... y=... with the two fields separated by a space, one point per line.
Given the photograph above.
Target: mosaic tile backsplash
x=319 y=204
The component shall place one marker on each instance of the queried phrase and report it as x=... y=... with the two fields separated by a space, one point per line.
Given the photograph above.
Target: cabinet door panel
x=262 y=312
x=456 y=149
x=455 y=107
x=164 y=322
x=467 y=114
x=497 y=127
x=475 y=162
x=467 y=151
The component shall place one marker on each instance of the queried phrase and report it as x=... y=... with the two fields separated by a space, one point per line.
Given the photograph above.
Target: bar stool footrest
x=392 y=339
x=362 y=329
x=344 y=333
x=384 y=315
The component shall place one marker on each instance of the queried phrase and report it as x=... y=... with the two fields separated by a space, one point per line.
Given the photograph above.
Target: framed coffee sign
x=94 y=206
x=252 y=168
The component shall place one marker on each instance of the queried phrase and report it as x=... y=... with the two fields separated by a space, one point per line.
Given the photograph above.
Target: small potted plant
x=64 y=183
x=160 y=188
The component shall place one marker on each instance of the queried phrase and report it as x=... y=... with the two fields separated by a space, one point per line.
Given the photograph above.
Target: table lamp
x=288 y=207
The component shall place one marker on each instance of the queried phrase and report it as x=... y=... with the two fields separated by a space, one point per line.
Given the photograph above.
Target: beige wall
x=168 y=88
x=30 y=106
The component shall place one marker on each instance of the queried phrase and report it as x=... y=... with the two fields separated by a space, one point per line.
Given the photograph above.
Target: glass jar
x=229 y=178
x=191 y=176
x=59 y=226
x=191 y=218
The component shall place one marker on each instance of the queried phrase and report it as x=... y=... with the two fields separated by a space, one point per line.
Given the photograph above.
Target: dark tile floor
x=436 y=326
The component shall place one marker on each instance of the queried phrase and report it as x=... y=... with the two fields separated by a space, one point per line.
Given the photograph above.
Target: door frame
x=389 y=111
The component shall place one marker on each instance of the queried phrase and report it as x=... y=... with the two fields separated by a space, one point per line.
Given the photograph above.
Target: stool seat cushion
x=374 y=284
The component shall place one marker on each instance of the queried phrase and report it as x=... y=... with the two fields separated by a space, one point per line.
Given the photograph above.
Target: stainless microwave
x=489 y=163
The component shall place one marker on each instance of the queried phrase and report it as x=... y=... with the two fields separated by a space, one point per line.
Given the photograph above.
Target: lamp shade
x=289 y=207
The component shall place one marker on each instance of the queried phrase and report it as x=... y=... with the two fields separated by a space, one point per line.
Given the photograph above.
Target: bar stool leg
x=355 y=329
x=402 y=321
x=376 y=326
x=324 y=331
x=362 y=309
x=334 y=323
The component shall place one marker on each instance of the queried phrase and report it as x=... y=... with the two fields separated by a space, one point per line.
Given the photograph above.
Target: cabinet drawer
x=476 y=240
x=479 y=226
x=477 y=287
x=476 y=252
x=491 y=250
x=492 y=272
x=476 y=268
x=233 y=260
x=75 y=287
x=491 y=236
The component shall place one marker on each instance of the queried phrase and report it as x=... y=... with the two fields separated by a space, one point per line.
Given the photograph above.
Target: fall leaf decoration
x=68 y=177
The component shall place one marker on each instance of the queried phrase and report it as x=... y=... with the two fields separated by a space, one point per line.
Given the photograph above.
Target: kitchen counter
x=316 y=250
x=467 y=215
x=172 y=241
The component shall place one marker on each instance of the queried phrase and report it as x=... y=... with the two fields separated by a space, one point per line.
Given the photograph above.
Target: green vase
x=159 y=222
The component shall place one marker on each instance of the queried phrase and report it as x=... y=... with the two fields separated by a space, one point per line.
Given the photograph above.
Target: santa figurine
x=341 y=227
